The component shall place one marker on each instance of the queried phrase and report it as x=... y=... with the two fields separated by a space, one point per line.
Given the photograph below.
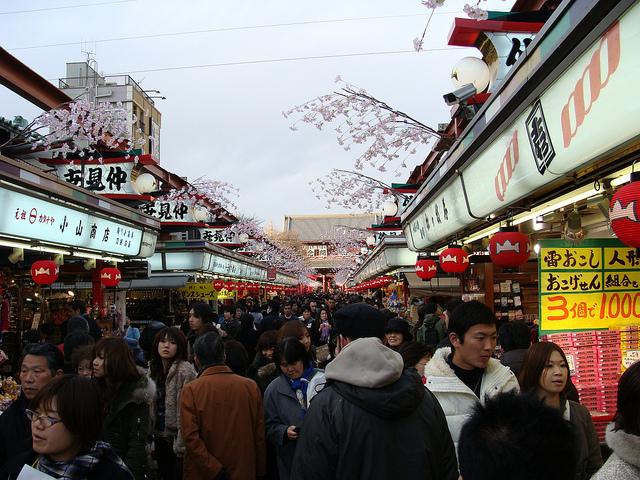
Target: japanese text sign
x=595 y=285
x=198 y=291
x=169 y=211
x=45 y=219
x=106 y=178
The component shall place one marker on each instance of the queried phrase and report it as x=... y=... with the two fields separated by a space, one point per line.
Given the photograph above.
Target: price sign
x=594 y=286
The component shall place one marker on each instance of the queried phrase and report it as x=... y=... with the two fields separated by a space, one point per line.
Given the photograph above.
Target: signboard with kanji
x=50 y=220
x=169 y=211
x=105 y=178
x=595 y=285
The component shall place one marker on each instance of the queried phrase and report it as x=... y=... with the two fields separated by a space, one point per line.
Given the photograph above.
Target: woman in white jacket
x=623 y=436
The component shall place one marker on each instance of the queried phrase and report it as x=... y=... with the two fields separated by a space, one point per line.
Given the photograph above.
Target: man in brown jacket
x=222 y=419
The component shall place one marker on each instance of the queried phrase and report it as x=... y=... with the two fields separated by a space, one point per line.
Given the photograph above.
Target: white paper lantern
x=471 y=70
x=146 y=183
x=200 y=214
x=243 y=237
x=364 y=250
x=390 y=208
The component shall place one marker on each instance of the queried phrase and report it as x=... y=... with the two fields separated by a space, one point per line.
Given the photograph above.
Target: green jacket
x=128 y=424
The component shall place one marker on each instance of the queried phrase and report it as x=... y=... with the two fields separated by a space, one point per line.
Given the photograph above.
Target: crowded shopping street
x=359 y=240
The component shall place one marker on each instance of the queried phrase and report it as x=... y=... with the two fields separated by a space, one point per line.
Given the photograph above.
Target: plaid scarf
x=82 y=465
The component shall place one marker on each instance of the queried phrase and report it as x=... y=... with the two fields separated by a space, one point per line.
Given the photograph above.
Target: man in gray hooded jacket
x=373 y=419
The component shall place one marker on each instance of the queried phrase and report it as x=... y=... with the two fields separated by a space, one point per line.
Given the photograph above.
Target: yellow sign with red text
x=594 y=286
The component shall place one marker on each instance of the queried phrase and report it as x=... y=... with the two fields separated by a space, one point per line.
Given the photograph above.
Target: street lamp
x=390 y=208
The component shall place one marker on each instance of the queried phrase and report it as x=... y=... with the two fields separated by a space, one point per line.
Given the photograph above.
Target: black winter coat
x=394 y=432
x=15 y=431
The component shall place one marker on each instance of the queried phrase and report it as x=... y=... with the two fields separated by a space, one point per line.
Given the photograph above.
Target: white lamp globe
x=364 y=250
x=471 y=70
x=145 y=183
x=200 y=214
x=390 y=208
x=371 y=240
x=243 y=237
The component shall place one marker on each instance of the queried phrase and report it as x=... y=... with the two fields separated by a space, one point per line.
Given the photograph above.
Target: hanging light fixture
x=44 y=272
x=426 y=269
x=454 y=260
x=509 y=248
x=390 y=208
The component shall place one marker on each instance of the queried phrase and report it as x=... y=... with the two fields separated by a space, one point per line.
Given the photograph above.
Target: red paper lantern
x=44 y=272
x=454 y=260
x=509 y=248
x=624 y=212
x=110 y=276
x=426 y=269
x=217 y=285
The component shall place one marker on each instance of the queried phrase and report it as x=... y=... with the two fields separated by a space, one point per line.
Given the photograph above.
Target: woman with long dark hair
x=128 y=396
x=66 y=424
x=287 y=398
x=545 y=373
x=170 y=370
x=201 y=319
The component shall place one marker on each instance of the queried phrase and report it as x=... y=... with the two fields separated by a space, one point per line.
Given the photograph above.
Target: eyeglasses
x=45 y=420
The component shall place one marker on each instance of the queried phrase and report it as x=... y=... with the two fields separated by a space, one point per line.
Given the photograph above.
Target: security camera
x=461 y=95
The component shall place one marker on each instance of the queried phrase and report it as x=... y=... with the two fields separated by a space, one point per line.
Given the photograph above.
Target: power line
x=225 y=29
x=14 y=12
x=278 y=60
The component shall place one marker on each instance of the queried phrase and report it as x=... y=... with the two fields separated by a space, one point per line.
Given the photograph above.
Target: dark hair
x=451 y=305
x=535 y=362
x=80 y=354
x=628 y=414
x=79 y=405
x=78 y=305
x=54 y=357
x=413 y=352
x=268 y=339
x=209 y=348
x=514 y=336
x=468 y=315
x=291 y=350
x=203 y=312
x=306 y=308
x=292 y=328
x=72 y=342
x=228 y=309
x=236 y=357
x=427 y=309
x=518 y=437
x=119 y=366
x=156 y=366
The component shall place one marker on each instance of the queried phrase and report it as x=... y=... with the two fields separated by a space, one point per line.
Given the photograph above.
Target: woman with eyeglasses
x=66 y=422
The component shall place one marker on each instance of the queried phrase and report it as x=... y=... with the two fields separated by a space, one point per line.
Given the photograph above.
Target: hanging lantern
x=454 y=260
x=509 y=248
x=390 y=208
x=426 y=269
x=217 y=284
x=110 y=276
x=44 y=272
x=624 y=212
x=231 y=286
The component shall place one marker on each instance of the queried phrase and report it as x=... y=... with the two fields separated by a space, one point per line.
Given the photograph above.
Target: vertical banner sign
x=271 y=273
x=594 y=285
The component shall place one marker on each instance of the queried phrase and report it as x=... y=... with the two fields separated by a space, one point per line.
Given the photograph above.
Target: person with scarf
x=66 y=422
x=287 y=398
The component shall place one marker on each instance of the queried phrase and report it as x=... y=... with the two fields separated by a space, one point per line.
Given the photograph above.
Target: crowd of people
x=317 y=387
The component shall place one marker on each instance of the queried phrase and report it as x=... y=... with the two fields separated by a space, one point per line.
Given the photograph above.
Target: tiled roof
x=313 y=228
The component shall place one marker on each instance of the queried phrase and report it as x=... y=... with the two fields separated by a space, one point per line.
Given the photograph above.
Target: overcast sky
x=225 y=122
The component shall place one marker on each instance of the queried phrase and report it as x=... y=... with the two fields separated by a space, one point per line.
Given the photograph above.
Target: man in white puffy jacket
x=465 y=374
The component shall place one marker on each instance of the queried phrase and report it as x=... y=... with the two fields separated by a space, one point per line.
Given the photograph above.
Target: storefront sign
x=169 y=211
x=595 y=285
x=576 y=120
x=219 y=236
x=46 y=220
x=198 y=291
x=107 y=178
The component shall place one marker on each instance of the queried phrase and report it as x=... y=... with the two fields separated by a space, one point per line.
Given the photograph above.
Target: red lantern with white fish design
x=44 y=272
x=624 y=212
x=454 y=260
x=110 y=276
x=509 y=248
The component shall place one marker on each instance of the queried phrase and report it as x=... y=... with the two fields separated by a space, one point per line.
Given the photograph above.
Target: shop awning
x=390 y=254
x=177 y=281
x=441 y=284
x=535 y=138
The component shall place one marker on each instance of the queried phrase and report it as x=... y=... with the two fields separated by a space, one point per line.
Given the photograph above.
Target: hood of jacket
x=396 y=400
x=140 y=391
x=624 y=445
x=366 y=362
